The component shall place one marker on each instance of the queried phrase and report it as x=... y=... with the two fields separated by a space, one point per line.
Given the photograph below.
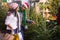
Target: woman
x=12 y=20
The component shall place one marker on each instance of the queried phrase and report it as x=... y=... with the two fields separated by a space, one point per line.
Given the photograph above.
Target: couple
x=14 y=20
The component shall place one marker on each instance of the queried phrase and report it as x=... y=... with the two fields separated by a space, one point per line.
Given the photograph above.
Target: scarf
x=24 y=18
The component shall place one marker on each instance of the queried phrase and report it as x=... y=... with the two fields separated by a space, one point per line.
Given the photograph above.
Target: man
x=23 y=8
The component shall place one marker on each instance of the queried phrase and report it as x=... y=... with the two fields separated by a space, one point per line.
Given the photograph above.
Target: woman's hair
x=12 y=11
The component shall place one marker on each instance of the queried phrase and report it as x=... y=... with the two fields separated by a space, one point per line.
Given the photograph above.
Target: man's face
x=23 y=7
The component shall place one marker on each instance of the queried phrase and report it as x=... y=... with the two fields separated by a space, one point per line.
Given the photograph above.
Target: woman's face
x=17 y=9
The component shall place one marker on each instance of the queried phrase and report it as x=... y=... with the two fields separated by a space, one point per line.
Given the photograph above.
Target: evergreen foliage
x=3 y=11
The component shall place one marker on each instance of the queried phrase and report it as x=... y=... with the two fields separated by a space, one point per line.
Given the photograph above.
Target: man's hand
x=33 y=22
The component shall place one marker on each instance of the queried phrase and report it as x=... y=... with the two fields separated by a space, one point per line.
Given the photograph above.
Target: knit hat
x=26 y=5
x=13 y=5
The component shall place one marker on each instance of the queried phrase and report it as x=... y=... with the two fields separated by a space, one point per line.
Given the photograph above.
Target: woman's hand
x=12 y=30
